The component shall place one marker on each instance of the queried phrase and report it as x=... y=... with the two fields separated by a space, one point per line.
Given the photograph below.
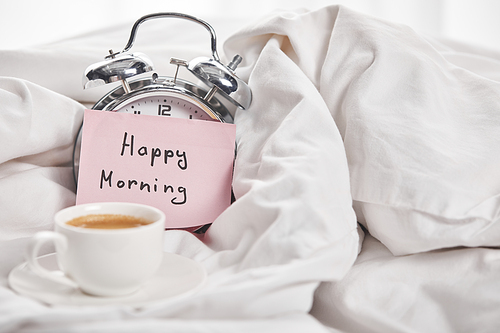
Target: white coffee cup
x=102 y=262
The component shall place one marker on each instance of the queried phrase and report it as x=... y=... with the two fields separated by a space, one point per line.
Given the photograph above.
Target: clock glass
x=171 y=105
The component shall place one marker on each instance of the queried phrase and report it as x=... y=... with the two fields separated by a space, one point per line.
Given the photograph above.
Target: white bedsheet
x=326 y=86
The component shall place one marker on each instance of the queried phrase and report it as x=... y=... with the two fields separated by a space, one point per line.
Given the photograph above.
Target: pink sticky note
x=183 y=167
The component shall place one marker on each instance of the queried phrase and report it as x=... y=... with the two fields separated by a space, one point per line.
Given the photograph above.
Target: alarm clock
x=144 y=92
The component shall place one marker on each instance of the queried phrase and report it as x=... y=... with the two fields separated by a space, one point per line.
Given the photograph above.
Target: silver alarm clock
x=167 y=96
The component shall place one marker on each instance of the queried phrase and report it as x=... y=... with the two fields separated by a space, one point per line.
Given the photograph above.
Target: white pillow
x=422 y=136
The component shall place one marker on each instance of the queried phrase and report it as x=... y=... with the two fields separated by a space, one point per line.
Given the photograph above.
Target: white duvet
x=348 y=111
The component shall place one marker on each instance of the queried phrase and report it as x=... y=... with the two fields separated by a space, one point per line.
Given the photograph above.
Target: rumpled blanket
x=353 y=119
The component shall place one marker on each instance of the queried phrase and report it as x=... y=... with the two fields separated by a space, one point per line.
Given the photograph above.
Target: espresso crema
x=108 y=221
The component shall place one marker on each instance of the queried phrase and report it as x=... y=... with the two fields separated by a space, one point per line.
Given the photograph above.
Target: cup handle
x=33 y=249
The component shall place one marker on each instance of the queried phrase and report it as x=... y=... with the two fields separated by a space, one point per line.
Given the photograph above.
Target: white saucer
x=177 y=277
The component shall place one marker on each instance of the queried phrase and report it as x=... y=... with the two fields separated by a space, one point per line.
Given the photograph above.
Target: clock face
x=167 y=105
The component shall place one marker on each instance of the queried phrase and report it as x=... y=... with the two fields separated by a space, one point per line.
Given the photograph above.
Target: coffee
x=108 y=221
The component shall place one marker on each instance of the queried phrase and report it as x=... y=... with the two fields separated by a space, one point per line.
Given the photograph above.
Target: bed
x=367 y=180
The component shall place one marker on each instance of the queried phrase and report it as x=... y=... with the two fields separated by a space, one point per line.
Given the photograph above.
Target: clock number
x=164 y=110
